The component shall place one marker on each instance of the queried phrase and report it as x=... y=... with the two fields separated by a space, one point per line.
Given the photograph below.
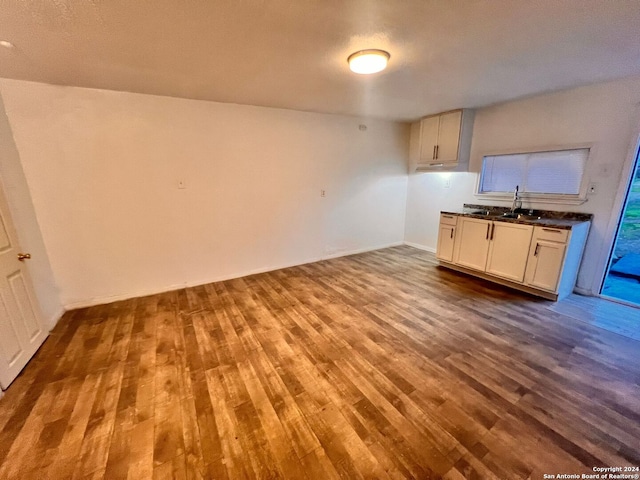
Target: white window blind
x=557 y=172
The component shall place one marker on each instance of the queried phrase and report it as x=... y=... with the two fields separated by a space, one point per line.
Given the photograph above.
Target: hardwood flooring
x=379 y=365
x=610 y=315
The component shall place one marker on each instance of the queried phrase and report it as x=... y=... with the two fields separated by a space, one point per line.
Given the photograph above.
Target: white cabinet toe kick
x=537 y=259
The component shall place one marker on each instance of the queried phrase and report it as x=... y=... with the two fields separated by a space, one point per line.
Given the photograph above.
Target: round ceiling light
x=366 y=62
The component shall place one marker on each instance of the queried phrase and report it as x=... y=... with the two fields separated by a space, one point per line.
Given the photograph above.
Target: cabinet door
x=545 y=264
x=446 y=236
x=472 y=243
x=429 y=139
x=509 y=250
x=449 y=137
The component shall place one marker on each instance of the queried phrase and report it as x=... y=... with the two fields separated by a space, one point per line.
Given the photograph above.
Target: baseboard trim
x=583 y=291
x=178 y=286
x=144 y=293
x=361 y=250
x=53 y=320
x=421 y=247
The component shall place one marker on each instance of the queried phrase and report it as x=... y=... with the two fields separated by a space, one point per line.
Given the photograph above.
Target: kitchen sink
x=514 y=215
x=520 y=216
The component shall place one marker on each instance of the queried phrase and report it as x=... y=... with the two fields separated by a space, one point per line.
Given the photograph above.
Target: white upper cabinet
x=449 y=137
x=429 y=130
x=442 y=142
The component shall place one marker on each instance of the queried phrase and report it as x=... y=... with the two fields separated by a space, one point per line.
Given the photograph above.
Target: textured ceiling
x=292 y=54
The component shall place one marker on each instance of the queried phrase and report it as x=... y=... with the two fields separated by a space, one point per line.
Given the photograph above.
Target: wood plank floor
x=610 y=315
x=379 y=365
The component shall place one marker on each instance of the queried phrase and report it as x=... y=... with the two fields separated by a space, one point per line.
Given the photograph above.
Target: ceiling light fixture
x=366 y=62
x=6 y=44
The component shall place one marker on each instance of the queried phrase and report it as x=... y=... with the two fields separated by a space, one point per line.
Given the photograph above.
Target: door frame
x=619 y=204
x=623 y=211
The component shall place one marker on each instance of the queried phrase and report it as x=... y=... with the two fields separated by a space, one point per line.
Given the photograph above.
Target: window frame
x=554 y=198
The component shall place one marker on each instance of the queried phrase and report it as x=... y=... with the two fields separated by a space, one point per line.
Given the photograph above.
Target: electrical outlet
x=323 y=193
x=447 y=183
x=182 y=184
x=593 y=188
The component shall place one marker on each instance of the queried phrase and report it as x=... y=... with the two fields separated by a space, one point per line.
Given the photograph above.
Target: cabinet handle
x=493 y=226
x=434 y=152
x=535 y=254
x=437 y=151
x=447 y=216
x=488 y=227
x=551 y=230
x=451 y=233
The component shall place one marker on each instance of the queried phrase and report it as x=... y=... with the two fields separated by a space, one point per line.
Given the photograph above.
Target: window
x=555 y=173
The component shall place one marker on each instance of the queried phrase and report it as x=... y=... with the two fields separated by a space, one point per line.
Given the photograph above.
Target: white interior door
x=21 y=327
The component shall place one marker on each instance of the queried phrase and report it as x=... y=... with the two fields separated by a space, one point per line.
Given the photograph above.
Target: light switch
x=182 y=184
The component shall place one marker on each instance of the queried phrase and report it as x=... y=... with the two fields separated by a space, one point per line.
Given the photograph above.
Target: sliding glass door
x=622 y=281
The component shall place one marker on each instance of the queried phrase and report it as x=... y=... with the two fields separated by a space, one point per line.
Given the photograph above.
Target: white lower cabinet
x=546 y=258
x=498 y=248
x=472 y=243
x=540 y=260
x=509 y=250
x=446 y=237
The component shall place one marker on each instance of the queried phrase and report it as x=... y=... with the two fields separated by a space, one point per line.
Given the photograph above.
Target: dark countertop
x=549 y=218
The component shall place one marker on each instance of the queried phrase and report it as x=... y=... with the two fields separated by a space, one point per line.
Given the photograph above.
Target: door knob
x=24 y=256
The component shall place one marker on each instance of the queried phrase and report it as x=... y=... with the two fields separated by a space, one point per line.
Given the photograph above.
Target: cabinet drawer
x=448 y=219
x=552 y=234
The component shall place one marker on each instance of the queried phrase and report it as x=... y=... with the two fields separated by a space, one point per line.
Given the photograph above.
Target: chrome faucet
x=517 y=203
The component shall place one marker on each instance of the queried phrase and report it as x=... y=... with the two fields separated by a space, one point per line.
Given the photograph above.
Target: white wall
x=427 y=195
x=103 y=169
x=25 y=222
x=605 y=115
